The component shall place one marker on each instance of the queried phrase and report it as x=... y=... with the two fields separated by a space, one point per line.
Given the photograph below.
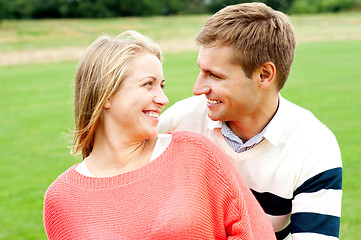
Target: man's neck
x=249 y=126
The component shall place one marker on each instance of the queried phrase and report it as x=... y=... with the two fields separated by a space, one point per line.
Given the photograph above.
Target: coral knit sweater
x=191 y=191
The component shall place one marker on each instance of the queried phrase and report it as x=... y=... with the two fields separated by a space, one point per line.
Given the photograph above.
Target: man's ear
x=267 y=74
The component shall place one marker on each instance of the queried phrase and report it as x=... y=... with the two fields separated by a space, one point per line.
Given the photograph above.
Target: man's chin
x=214 y=117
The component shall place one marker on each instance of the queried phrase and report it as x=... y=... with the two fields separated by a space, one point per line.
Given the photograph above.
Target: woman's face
x=133 y=111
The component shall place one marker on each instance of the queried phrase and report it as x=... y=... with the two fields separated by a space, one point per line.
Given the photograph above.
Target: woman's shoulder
x=191 y=142
x=209 y=158
x=59 y=182
x=190 y=137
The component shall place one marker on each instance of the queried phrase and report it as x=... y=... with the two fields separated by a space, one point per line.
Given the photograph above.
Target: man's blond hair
x=258 y=34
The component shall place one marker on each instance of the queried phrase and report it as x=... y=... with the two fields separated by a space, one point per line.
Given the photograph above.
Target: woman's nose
x=161 y=98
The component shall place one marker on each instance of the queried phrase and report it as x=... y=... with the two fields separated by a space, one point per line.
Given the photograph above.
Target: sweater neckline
x=242 y=156
x=82 y=181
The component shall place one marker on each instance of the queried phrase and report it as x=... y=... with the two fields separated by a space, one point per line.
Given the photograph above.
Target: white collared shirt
x=236 y=143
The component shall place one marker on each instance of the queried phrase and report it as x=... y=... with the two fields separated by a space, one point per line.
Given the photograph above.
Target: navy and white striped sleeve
x=316 y=207
x=316 y=204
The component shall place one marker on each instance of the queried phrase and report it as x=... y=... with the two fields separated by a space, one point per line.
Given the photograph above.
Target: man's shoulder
x=304 y=123
x=189 y=114
x=191 y=104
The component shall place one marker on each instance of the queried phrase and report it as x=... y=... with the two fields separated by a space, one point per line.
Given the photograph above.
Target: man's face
x=231 y=94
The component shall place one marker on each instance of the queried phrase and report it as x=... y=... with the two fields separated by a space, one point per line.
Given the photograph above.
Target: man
x=289 y=159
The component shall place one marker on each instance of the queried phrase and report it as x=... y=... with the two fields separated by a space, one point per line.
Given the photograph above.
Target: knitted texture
x=295 y=172
x=191 y=191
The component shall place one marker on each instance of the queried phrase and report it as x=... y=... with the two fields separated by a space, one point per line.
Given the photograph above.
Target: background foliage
x=25 y=9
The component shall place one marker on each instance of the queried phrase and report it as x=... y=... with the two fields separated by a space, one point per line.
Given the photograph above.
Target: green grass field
x=36 y=103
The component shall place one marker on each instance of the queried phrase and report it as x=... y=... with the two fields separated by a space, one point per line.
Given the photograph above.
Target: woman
x=135 y=183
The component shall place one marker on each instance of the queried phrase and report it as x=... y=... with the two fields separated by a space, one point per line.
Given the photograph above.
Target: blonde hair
x=257 y=32
x=102 y=68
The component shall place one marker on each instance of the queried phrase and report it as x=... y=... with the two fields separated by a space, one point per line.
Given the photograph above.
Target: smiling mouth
x=152 y=114
x=212 y=102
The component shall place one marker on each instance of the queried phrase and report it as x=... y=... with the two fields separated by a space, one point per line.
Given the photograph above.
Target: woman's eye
x=148 y=83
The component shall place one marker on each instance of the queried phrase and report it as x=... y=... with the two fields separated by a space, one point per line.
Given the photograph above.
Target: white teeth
x=152 y=114
x=213 y=102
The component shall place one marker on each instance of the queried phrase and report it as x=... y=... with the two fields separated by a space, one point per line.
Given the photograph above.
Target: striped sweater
x=191 y=191
x=295 y=172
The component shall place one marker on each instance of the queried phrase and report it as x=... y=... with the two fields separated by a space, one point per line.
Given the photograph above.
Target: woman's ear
x=267 y=74
x=107 y=103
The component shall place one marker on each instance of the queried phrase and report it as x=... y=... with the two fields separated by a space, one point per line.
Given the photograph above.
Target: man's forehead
x=213 y=56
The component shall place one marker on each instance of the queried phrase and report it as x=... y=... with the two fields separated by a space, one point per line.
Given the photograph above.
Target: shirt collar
x=278 y=123
x=213 y=125
x=227 y=132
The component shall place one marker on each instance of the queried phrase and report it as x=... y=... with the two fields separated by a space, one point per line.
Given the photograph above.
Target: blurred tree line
x=25 y=9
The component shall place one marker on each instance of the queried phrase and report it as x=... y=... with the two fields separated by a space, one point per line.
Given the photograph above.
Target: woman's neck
x=112 y=156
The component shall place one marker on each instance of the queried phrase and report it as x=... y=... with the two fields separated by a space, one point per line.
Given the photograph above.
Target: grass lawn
x=18 y=35
x=36 y=113
x=38 y=34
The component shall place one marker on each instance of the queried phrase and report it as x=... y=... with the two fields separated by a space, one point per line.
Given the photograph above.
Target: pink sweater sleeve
x=244 y=218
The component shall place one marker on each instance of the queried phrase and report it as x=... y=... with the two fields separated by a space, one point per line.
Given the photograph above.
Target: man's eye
x=214 y=76
x=148 y=83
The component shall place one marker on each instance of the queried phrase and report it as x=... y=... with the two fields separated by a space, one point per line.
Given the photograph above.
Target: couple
x=135 y=183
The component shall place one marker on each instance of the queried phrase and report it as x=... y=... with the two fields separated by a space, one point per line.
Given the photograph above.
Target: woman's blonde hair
x=257 y=32
x=102 y=68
